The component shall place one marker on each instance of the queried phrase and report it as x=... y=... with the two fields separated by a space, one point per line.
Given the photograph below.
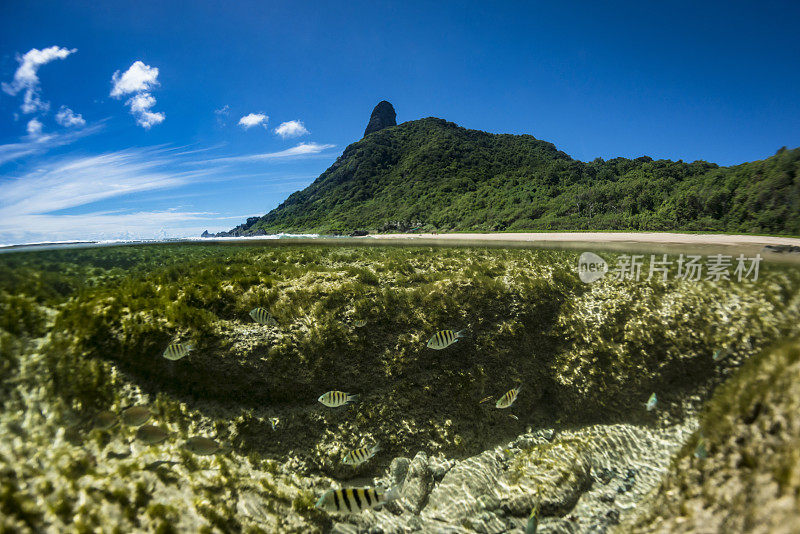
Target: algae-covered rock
x=741 y=471
x=588 y=358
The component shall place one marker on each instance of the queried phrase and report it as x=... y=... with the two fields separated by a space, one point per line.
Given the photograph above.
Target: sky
x=162 y=119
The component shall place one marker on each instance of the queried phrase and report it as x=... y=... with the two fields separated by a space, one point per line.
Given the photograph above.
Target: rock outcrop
x=382 y=117
x=741 y=471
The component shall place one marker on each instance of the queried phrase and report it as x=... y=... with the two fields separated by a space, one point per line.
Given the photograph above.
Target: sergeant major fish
x=444 y=338
x=353 y=500
x=361 y=455
x=176 y=351
x=334 y=399
x=508 y=398
x=262 y=316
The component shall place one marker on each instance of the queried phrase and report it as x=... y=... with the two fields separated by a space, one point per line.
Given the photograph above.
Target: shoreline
x=605 y=237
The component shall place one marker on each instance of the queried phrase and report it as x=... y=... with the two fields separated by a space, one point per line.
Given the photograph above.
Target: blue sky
x=139 y=119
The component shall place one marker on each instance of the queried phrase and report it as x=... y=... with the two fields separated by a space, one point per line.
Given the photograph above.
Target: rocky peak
x=382 y=117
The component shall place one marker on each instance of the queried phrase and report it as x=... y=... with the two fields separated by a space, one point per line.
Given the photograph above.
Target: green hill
x=434 y=175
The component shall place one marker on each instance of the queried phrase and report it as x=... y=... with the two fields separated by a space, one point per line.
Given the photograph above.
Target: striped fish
x=444 y=338
x=360 y=323
x=176 y=351
x=508 y=399
x=352 y=500
x=334 y=399
x=359 y=456
x=262 y=316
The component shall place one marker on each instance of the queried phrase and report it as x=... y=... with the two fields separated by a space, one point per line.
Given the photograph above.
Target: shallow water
x=83 y=330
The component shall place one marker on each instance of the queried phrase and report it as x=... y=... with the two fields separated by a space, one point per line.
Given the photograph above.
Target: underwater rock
x=398 y=470
x=470 y=487
x=418 y=483
x=782 y=249
x=749 y=480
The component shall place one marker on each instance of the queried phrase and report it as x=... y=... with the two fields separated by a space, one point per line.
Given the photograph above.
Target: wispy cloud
x=299 y=151
x=69 y=198
x=291 y=129
x=29 y=204
x=26 y=77
x=222 y=114
x=253 y=119
x=138 y=80
x=38 y=145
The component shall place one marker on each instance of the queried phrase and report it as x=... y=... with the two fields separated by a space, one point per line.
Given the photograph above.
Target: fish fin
x=352 y=398
x=375 y=449
x=190 y=346
x=461 y=333
x=518 y=389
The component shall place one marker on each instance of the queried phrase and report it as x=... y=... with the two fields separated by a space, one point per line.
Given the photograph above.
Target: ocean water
x=103 y=427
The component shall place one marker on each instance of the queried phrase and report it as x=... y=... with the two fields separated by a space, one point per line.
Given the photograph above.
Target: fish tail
x=518 y=389
x=375 y=449
x=461 y=333
x=190 y=346
x=352 y=398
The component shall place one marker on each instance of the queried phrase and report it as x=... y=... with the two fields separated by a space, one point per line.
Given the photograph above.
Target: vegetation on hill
x=436 y=176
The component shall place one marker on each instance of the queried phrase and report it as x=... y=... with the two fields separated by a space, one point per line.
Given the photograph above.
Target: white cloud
x=253 y=119
x=291 y=129
x=31 y=146
x=140 y=105
x=222 y=114
x=301 y=150
x=66 y=117
x=26 y=77
x=34 y=127
x=27 y=202
x=138 y=78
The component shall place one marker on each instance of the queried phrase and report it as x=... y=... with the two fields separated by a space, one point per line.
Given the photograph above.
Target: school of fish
x=344 y=500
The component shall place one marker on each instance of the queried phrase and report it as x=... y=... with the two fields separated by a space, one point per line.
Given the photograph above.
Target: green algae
x=749 y=477
x=584 y=353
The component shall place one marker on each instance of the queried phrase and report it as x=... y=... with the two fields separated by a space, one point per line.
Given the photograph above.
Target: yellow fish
x=353 y=500
x=176 y=351
x=334 y=399
x=262 y=316
x=508 y=398
x=444 y=338
x=359 y=456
